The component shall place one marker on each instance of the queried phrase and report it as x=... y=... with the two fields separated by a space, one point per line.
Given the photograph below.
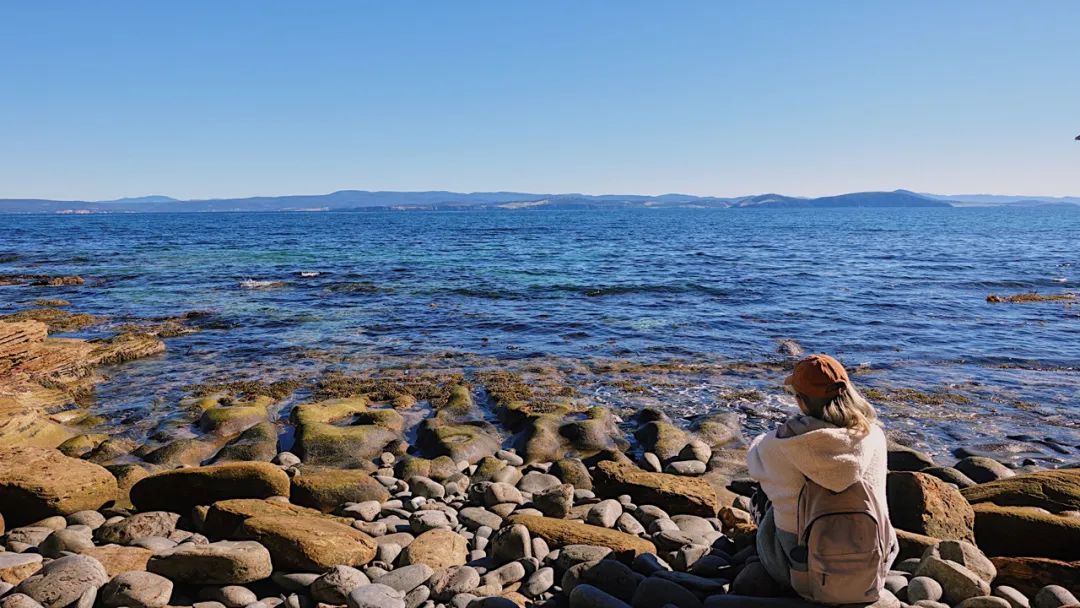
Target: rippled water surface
x=900 y=294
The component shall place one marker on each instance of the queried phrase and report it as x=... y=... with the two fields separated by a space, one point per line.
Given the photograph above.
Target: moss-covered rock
x=562 y=532
x=181 y=489
x=677 y=494
x=720 y=430
x=1056 y=491
x=234 y=418
x=1030 y=574
x=309 y=544
x=459 y=401
x=321 y=443
x=326 y=489
x=256 y=443
x=80 y=445
x=110 y=449
x=598 y=431
x=36 y=483
x=574 y=472
x=468 y=442
x=330 y=410
x=663 y=438
x=539 y=440
x=1025 y=531
x=388 y=419
x=186 y=451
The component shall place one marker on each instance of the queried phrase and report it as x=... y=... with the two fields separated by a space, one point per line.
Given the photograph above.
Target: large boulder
x=186 y=451
x=926 y=505
x=309 y=544
x=36 y=483
x=326 y=489
x=220 y=563
x=225 y=516
x=1026 y=532
x=677 y=494
x=561 y=532
x=1030 y=574
x=1055 y=490
x=181 y=489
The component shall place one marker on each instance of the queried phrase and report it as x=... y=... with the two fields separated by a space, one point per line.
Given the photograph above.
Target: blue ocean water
x=899 y=294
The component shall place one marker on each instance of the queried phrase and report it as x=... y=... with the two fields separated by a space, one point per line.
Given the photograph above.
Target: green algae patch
x=1026 y=298
x=912 y=395
x=390 y=385
x=246 y=390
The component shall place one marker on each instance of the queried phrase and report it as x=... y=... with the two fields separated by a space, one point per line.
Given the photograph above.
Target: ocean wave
x=260 y=284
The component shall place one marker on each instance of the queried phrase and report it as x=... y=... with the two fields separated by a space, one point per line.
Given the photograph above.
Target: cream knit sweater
x=832 y=457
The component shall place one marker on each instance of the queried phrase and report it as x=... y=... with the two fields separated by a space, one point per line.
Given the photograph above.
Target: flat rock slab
x=225 y=516
x=181 y=489
x=1030 y=574
x=36 y=483
x=310 y=544
x=678 y=495
x=220 y=563
x=561 y=532
x=1025 y=532
x=118 y=559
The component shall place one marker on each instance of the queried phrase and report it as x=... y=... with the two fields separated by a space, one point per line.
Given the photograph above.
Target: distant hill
x=362 y=200
x=997 y=200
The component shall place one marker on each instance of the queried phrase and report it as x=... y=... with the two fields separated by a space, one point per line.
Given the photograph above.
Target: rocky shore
x=493 y=530
x=398 y=490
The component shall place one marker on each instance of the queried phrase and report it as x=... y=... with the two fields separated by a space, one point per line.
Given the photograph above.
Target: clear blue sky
x=206 y=99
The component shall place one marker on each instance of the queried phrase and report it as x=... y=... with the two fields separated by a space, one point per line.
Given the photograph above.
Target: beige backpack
x=845 y=539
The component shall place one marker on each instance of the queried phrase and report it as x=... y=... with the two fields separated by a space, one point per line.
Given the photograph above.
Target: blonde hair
x=848 y=409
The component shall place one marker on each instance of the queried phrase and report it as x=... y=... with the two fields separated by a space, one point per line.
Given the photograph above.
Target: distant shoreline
x=364 y=201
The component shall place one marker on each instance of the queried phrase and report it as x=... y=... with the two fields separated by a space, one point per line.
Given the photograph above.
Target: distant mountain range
x=361 y=200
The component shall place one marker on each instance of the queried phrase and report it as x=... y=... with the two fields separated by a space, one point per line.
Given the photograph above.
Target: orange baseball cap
x=818 y=376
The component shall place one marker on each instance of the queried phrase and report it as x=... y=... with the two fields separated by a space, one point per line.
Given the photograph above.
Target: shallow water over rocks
x=680 y=310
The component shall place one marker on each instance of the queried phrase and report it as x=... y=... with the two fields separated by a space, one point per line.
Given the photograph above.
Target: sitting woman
x=823 y=525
